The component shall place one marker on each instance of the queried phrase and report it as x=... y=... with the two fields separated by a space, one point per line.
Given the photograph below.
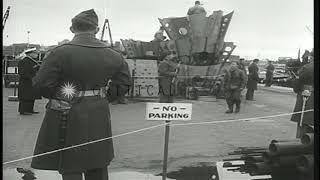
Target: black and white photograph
x=159 y=90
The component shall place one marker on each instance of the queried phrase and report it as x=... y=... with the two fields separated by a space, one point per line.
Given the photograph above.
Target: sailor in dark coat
x=253 y=79
x=304 y=84
x=167 y=72
x=269 y=74
x=234 y=83
x=74 y=77
x=27 y=68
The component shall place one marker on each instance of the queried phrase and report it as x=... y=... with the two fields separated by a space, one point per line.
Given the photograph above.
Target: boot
x=237 y=108
x=230 y=110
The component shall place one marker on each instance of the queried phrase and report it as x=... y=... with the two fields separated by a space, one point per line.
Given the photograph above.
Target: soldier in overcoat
x=74 y=77
x=234 y=83
x=27 y=68
x=304 y=83
x=269 y=74
x=253 y=79
x=167 y=71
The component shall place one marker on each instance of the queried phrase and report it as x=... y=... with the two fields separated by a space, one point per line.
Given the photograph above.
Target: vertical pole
x=165 y=154
x=132 y=83
x=104 y=27
x=28 y=39
x=110 y=36
x=304 y=100
x=15 y=83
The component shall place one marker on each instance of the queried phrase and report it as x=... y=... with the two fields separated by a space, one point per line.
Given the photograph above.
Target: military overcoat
x=87 y=64
x=166 y=71
x=305 y=81
x=253 y=76
x=27 y=69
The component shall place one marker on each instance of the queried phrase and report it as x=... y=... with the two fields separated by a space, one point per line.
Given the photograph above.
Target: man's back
x=85 y=62
x=197 y=9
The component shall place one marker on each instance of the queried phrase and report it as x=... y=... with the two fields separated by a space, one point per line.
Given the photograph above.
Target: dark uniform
x=269 y=75
x=166 y=71
x=27 y=68
x=196 y=9
x=243 y=68
x=234 y=83
x=305 y=82
x=253 y=79
x=88 y=64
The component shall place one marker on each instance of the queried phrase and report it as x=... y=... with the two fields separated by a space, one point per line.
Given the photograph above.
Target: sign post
x=168 y=112
x=165 y=151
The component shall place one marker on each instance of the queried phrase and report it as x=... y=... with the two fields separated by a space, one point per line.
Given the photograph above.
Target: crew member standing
x=269 y=74
x=242 y=67
x=304 y=85
x=234 y=83
x=167 y=72
x=196 y=9
x=27 y=68
x=74 y=77
x=158 y=36
x=253 y=79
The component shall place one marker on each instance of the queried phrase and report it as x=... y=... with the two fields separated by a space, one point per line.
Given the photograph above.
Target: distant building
x=284 y=60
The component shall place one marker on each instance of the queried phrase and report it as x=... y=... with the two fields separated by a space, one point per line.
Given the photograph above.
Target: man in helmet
x=234 y=83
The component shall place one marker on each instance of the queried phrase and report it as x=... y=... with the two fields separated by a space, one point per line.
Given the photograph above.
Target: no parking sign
x=169 y=111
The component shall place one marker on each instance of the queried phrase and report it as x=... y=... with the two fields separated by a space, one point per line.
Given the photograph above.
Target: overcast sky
x=259 y=28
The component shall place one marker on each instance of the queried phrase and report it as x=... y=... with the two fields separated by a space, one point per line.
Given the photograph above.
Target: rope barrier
x=152 y=127
x=238 y=120
x=83 y=144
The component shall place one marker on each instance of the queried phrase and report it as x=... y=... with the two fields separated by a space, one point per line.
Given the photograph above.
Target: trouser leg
x=26 y=106
x=237 y=99
x=72 y=176
x=31 y=106
x=97 y=174
x=249 y=95
x=229 y=100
